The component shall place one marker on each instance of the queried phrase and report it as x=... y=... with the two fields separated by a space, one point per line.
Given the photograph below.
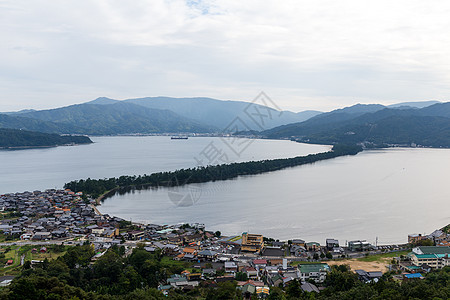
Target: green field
x=15 y=253
x=383 y=256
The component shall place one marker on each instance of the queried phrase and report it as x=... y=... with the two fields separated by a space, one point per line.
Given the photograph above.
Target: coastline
x=41 y=147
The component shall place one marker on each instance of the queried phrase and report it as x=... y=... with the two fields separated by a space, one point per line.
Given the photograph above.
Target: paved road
x=21 y=243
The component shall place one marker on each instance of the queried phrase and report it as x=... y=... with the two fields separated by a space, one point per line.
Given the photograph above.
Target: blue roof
x=415 y=275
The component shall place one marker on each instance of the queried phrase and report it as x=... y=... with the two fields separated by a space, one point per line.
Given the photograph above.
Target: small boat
x=179 y=138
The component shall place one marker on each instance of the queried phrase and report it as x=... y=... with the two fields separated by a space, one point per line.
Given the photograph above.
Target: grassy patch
x=382 y=257
x=169 y=262
x=236 y=238
x=15 y=253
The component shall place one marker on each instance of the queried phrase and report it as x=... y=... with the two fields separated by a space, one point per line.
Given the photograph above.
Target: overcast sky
x=303 y=54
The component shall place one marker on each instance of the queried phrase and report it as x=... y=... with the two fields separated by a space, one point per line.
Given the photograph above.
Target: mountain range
x=425 y=123
x=104 y=116
x=218 y=113
x=374 y=125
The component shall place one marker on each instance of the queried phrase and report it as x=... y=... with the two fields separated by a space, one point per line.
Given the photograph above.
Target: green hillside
x=14 y=138
x=429 y=126
x=117 y=118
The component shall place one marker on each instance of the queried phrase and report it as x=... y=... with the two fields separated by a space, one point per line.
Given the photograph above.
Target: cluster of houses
x=255 y=276
x=437 y=237
x=52 y=214
x=262 y=263
x=423 y=259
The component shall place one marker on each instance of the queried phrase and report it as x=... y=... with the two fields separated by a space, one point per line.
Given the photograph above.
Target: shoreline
x=41 y=147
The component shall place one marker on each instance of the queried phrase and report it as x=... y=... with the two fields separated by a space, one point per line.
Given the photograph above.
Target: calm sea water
x=386 y=194
x=43 y=168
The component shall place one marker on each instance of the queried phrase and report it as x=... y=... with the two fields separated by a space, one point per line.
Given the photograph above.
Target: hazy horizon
x=305 y=55
x=249 y=101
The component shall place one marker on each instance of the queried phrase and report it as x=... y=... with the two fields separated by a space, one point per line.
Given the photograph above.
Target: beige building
x=252 y=242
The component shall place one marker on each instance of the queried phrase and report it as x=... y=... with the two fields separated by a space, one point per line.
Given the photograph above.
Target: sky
x=305 y=55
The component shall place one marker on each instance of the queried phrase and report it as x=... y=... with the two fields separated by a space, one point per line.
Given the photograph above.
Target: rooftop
x=308 y=268
x=432 y=250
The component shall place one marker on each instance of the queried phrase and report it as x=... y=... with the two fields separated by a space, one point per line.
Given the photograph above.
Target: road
x=22 y=243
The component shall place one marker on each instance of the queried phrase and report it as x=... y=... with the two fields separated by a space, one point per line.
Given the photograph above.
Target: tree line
x=97 y=187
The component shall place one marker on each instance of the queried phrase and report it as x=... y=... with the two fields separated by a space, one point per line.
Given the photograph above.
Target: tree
x=225 y=290
x=293 y=290
x=424 y=242
x=341 y=278
x=276 y=293
x=145 y=294
x=240 y=276
x=26 y=265
x=218 y=233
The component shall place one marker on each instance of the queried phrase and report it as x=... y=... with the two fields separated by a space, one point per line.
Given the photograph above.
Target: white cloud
x=307 y=54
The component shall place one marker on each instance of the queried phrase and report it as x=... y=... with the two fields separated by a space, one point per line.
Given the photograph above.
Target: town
x=256 y=263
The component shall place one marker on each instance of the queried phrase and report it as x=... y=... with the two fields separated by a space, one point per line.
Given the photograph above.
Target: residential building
x=434 y=256
x=252 y=242
x=368 y=276
x=359 y=245
x=415 y=237
x=230 y=266
x=312 y=246
x=207 y=254
x=331 y=244
x=317 y=272
x=299 y=242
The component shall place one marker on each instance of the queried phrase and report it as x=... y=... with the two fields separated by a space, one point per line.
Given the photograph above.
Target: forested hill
x=429 y=126
x=105 y=116
x=97 y=187
x=118 y=118
x=14 y=138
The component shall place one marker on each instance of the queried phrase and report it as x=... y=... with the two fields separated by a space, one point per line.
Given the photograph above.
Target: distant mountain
x=105 y=116
x=219 y=114
x=438 y=110
x=18 y=112
x=103 y=101
x=419 y=104
x=15 y=138
x=429 y=126
x=325 y=121
x=118 y=118
x=346 y=113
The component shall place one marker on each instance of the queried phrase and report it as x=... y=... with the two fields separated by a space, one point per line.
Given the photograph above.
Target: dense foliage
x=96 y=187
x=19 y=122
x=113 y=276
x=72 y=275
x=10 y=138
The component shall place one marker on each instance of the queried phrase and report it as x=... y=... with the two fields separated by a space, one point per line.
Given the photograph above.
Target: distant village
x=258 y=263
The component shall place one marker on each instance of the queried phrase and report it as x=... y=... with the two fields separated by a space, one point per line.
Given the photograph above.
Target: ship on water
x=179 y=138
